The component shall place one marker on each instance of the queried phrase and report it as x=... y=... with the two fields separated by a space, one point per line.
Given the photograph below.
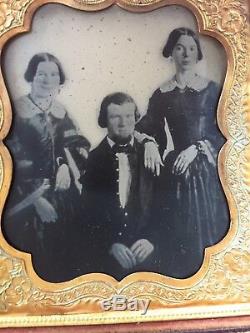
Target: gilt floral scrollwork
x=219 y=285
x=4 y=273
x=231 y=20
x=6 y=15
x=18 y=292
x=230 y=278
x=210 y=6
x=15 y=287
x=12 y=13
x=237 y=262
x=228 y=15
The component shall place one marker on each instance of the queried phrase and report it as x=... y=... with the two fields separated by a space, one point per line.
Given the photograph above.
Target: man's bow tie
x=128 y=148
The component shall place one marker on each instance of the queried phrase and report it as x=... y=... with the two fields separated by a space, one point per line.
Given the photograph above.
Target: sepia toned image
x=115 y=143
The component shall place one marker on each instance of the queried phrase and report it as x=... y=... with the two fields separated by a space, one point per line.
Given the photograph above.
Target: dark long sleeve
x=211 y=130
x=153 y=121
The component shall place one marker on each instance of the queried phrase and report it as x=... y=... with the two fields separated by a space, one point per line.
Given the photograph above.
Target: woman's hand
x=152 y=158
x=83 y=152
x=45 y=210
x=184 y=159
x=63 y=178
x=207 y=149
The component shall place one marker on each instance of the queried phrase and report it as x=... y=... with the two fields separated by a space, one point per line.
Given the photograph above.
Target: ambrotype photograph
x=114 y=142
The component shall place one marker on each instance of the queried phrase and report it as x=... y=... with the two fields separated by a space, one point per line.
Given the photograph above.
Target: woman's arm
x=149 y=123
x=72 y=153
x=212 y=138
x=146 y=132
x=73 y=138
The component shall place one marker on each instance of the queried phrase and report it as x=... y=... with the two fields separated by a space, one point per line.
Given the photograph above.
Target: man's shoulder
x=99 y=151
x=98 y=163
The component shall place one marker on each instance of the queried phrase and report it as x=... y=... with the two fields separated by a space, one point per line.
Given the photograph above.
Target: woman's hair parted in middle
x=118 y=98
x=174 y=37
x=35 y=61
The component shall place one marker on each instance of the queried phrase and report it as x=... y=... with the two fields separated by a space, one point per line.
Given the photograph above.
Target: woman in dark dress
x=182 y=118
x=48 y=151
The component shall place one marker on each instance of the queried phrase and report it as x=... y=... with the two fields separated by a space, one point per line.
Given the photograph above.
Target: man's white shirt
x=124 y=173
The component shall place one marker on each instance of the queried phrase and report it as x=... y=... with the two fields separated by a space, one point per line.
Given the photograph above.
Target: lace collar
x=27 y=109
x=197 y=83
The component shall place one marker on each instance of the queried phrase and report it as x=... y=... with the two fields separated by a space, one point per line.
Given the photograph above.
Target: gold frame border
x=221 y=287
x=108 y=318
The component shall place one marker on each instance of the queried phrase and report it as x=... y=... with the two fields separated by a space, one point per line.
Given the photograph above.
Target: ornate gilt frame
x=221 y=288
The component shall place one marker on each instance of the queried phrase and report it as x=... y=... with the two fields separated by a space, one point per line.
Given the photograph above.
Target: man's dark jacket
x=107 y=222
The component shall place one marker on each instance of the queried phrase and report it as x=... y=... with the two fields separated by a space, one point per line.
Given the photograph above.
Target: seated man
x=117 y=194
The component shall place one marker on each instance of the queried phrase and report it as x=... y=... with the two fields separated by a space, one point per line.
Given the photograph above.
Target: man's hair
x=35 y=61
x=174 y=37
x=117 y=98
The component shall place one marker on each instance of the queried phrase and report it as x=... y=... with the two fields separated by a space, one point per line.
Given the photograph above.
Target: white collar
x=197 y=83
x=27 y=109
x=112 y=143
